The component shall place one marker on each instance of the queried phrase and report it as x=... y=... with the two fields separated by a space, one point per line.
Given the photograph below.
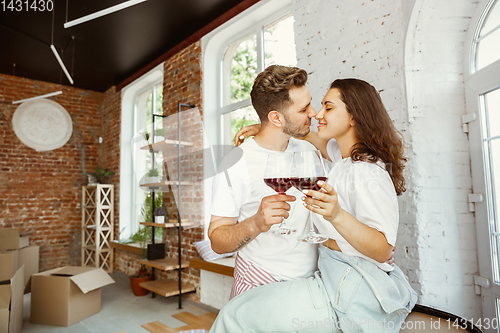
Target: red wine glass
x=308 y=169
x=277 y=176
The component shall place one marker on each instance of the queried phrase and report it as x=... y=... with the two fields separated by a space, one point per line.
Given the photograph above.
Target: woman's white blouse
x=365 y=190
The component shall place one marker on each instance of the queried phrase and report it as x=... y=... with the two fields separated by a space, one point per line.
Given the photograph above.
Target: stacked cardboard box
x=16 y=252
x=18 y=261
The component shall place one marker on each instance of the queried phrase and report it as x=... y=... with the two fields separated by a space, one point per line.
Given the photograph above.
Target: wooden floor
x=193 y=322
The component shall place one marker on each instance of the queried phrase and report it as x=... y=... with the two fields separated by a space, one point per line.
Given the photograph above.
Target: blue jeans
x=342 y=296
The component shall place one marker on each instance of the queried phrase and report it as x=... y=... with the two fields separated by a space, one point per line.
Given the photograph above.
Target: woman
x=354 y=289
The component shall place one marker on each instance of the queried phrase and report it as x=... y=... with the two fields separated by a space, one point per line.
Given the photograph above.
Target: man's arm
x=227 y=235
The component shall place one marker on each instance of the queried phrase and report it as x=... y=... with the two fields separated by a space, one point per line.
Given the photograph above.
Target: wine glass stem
x=311 y=228
x=282 y=224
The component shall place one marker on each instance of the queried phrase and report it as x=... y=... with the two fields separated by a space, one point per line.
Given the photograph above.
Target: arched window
x=482 y=121
x=486 y=43
x=233 y=54
x=268 y=43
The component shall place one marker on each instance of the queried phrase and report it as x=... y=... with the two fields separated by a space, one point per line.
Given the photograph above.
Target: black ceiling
x=107 y=50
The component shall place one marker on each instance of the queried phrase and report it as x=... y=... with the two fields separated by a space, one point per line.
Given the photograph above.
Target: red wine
x=309 y=183
x=280 y=185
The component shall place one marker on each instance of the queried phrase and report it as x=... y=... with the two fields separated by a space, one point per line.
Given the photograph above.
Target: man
x=244 y=208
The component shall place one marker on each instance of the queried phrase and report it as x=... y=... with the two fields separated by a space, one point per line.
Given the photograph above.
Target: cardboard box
x=30 y=258
x=64 y=296
x=11 y=303
x=11 y=260
x=9 y=264
x=12 y=239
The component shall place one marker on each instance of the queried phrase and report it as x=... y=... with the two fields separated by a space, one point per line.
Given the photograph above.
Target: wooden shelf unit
x=97 y=226
x=171 y=150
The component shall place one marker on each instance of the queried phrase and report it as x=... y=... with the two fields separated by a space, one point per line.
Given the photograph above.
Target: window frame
x=225 y=70
x=256 y=28
x=213 y=47
x=129 y=184
x=478 y=83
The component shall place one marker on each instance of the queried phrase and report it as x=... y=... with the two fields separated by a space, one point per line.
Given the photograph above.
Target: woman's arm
x=245 y=132
x=365 y=239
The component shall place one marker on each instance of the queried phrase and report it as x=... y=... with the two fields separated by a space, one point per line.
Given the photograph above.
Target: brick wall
x=182 y=84
x=42 y=190
x=109 y=152
x=424 y=93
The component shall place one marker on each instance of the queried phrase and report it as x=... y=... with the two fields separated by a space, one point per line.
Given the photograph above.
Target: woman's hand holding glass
x=308 y=169
x=323 y=202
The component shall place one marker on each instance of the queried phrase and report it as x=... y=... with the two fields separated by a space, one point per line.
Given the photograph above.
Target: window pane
x=498 y=310
x=492 y=21
x=492 y=101
x=144 y=110
x=243 y=61
x=159 y=133
x=494 y=194
x=488 y=50
x=235 y=120
x=279 y=43
x=490 y=118
x=495 y=249
x=159 y=98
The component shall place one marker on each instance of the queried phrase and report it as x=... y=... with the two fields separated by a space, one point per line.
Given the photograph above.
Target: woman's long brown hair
x=378 y=138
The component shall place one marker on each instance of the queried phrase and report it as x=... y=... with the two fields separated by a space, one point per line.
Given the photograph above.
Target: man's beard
x=293 y=130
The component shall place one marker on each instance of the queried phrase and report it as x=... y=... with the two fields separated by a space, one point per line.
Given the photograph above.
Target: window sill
x=220 y=266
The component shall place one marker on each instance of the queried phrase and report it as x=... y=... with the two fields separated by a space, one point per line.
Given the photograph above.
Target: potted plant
x=145 y=135
x=135 y=281
x=142 y=275
x=153 y=176
x=101 y=174
x=159 y=134
x=160 y=213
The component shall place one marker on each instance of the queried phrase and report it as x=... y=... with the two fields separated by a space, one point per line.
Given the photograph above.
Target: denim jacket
x=361 y=292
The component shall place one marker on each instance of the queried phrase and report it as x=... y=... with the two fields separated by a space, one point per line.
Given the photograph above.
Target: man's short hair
x=271 y=89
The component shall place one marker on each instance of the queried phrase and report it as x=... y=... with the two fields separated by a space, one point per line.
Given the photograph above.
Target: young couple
x=348 y=285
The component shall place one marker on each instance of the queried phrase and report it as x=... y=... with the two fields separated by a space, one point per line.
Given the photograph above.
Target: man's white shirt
x=238 y=191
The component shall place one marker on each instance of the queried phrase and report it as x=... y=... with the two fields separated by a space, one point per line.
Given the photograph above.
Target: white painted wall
x=215 y=289
x=413 y=53
x=441 y=173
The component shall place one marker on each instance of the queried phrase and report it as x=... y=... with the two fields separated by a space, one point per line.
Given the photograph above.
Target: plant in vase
x=141 y=276
x=159 y=134
x=102 y=175
x=160 y=213
x=153 y=176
